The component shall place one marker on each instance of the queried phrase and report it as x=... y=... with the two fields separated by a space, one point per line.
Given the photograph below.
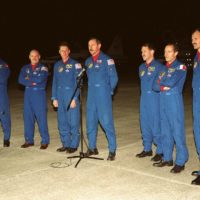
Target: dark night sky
x=42 y=24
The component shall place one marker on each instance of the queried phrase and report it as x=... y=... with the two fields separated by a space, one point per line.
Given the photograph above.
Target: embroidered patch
x=60 y=69
x=110 y=62
x=161 y=75
x=182 y=67
x=90 y=65
x=142 y=73
x=99 y=61
x=44 y=69
x=27 y=70
x=195 y=65
x=97 y=66
x=171 y=70
x=151 y=69
x=68 y=66
x=78 y=66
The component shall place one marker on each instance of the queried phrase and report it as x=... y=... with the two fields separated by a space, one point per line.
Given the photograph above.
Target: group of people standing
x=162 y=108
x=102 y=80
x=161 y=105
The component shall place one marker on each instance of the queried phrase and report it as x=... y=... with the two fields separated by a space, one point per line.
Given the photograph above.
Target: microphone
x=81 y=73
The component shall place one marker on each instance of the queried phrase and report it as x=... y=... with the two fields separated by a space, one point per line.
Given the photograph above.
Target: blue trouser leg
x=145 y=125
x=155 y=122
x=92 y=121
x=150 y=121
x=166 y=132
x=172 y=123
x=196 y=116
x=157 y=135
x=63 y=125
x=29 y=120
x=104 y=109
x=5 y=113
x=179 y=133
x=6 y=124
x=75 y=125
x=39 y=105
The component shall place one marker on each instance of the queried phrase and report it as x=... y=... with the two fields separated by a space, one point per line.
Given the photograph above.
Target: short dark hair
x=196 y=30
x=65 y=44
x=94 y=38
x=174 y=44
x=149 y=45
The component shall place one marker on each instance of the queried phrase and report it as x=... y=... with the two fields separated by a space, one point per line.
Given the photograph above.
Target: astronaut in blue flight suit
x=4 y=103
x=65 y=75
x=196 y=98
x=149 y=104
x=34 y=77
x=102 y=80
x=170 y=83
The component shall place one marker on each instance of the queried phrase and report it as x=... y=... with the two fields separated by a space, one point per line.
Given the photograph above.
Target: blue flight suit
x=196 y=102
x=35 y=104
x=4 y=101
x=172 y=112
x=102 y=80
x=149 y=107
x=64 y=85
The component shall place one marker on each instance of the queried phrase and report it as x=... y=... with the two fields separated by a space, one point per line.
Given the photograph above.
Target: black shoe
x=196 y=181
x=92 y=152
x=26 y=145
x=163 y=163
x=144 y=154
x=157 y=157
x=111 y=156
x=6 y=143
x=71 y=150
x=177 y=169
x=195 y=173
x=44 y=146
x=62 y=149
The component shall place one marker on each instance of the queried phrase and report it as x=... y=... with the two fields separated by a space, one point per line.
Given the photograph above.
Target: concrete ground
x=34 y=174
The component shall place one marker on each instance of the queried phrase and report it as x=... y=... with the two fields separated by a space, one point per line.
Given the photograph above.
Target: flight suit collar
x=149 y=64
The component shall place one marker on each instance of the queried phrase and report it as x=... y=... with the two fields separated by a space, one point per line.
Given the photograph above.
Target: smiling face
x=147 y=54
x=170 y=53
x=94 y=47
x=196 y=40
x=64 y=52
x=34 y=57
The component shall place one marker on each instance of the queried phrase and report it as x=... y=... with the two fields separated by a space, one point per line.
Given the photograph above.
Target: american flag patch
x=110 y=62
x=78 y=66
x=183 y=67
x=44 y=69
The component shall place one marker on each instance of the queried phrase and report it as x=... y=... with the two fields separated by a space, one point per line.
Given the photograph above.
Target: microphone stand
x=81 y=155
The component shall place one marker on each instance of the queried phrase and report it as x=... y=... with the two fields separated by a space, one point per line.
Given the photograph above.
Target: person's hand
x=55 y=103
x=73 y=104
x=166 y=88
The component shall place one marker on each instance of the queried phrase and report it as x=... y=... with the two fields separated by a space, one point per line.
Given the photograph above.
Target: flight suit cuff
x=53 y=98
x=162 y=88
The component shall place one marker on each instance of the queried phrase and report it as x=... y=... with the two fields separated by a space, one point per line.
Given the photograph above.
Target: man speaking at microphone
x=102 y=80
x=66 y=73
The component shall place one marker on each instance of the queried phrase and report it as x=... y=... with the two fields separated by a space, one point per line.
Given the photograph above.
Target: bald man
x=34 y=77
